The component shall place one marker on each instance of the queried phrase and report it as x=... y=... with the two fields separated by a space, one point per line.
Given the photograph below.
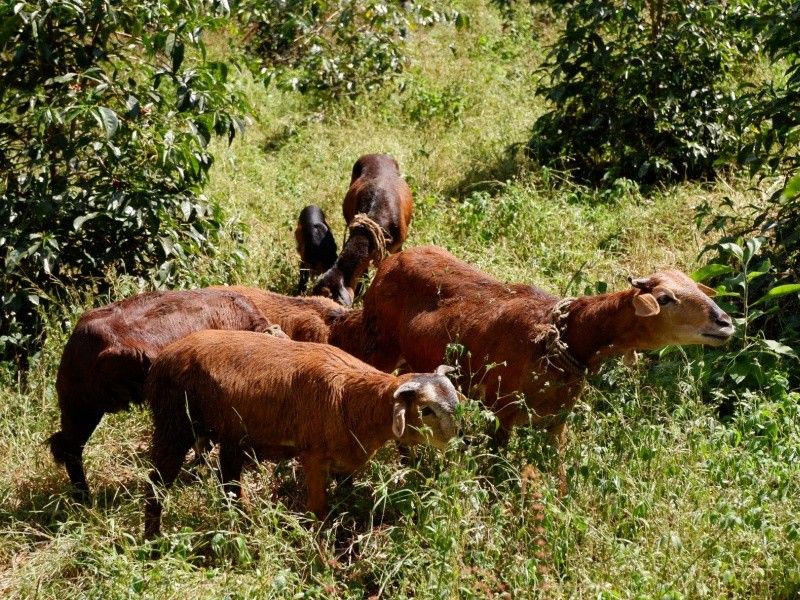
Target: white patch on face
x=429 y=393
x=446 y=416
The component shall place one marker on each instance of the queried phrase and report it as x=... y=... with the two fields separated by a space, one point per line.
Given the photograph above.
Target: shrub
x=638 y=91
x=331 y=49
x=107 y=112
x=746 y=285
x=426 y=104
x=759 y=274
x=774 y=113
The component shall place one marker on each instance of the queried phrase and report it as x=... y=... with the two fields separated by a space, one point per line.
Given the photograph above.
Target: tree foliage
x=332 y=49
x=756 y=262
x=638 y=90
x=108 y=108
x=773 y=111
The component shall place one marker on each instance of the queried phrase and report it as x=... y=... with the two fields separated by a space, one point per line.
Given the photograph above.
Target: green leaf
x=79 y=221
x=167 y=245
x=711 y=270
x=722 y=293
x=177 y=56
x=779 y=348
x=133 y=106
x=734 y=249
x=752 y=246
x=62 y=78
x=755 y=274
x=108 y=119
x=792 y=188
x=782 y=290
x=169 y=44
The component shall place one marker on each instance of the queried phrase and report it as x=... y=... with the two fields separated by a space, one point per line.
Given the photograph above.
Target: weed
x=666 y=499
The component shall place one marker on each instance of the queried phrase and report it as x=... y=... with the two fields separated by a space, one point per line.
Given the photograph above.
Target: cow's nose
x=723 y=320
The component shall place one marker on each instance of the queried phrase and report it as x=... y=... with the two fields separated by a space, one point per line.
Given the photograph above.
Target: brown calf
x=276 y=399
x=378 y=208
x=525 y=351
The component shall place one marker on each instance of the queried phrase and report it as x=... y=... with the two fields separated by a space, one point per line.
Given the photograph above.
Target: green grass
x=667 y=499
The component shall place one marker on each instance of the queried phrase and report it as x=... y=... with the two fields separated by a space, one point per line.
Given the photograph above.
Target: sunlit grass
x=667 y=500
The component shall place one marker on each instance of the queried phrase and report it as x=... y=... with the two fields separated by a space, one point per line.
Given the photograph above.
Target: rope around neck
x=376 y=232
x=553 y=337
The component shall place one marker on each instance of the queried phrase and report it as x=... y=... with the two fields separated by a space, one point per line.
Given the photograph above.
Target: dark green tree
x=637 y=90
x=106 y=112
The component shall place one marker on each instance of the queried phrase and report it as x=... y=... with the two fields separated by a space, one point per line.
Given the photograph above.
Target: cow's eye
x=426 y=411
x=664 y=300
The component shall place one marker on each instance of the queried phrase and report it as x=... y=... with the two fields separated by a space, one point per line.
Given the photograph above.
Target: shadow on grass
x=47 y=500
x=274 y=141
x=277 y=139
x=46 y=504
x=491 y=176
x=42 y=503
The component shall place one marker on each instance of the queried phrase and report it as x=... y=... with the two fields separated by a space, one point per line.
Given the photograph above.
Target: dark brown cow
x=109 y=353
x=378 y=209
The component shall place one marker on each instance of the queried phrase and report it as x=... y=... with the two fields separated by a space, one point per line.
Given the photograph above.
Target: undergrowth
x=668 y=497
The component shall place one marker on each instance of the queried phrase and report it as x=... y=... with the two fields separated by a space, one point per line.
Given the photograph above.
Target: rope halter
x=376 y=232
x=554 y=338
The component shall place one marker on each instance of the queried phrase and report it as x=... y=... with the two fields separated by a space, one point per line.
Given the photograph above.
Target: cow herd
x=273 y=377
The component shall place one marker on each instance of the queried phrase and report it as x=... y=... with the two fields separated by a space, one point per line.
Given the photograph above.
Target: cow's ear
x=646 y=305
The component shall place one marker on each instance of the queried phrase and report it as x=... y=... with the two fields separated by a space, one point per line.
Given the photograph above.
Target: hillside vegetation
x=683 y=484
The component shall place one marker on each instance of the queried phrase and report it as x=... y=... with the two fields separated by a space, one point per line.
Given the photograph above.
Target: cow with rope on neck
x=377 y=209
x=525 y=352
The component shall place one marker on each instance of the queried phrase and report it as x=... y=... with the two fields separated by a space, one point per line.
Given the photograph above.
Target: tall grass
x=667 y=499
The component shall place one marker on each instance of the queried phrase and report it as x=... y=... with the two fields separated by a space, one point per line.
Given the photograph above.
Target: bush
x=747 y=289
x=107 y=109
x=331 y=49
x=638 y=91
x=759 y=275
x=774 y=113
x=428 y=104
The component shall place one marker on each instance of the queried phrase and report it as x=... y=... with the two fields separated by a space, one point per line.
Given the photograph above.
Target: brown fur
x=277 y=399
x=423 y=299
x=377 y=190
x=108 y=355
x=311 y=319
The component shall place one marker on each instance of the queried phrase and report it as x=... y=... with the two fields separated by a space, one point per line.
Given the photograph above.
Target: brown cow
x=378 y=209
x=525 y=351
x=107 y=357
